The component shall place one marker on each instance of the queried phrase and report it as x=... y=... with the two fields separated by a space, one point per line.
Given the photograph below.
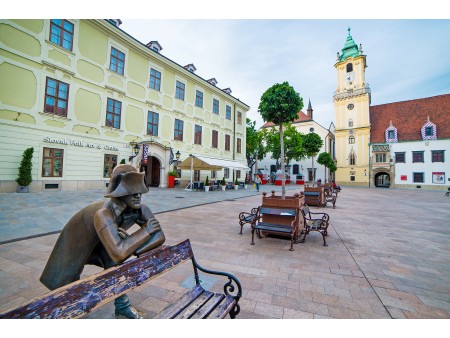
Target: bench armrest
x=231 y=289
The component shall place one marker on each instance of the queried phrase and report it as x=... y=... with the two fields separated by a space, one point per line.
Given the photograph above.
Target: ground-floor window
x=213 y=174
x=418 y=177
x=226 y=173
x=52 y=164
x=238 y=174
x=352 y=178
x=109 y=163
x=196 y=175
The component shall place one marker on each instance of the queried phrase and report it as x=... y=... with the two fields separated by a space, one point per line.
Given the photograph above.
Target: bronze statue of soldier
x=97 y=235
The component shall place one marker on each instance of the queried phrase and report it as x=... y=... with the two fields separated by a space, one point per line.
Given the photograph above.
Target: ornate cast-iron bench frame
x=313 y=223
x=265 y=222
x=81 y=297
x=247 y=217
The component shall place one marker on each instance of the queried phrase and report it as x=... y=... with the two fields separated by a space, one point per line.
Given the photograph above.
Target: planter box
x=22 y=189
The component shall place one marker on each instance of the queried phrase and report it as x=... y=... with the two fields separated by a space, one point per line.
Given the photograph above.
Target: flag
x=171 y=156
x=145 y=153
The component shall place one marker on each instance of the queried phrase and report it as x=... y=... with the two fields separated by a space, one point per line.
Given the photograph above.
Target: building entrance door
x=152 y=171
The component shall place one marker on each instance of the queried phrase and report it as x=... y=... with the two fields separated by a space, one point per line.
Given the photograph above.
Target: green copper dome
x=350 y=48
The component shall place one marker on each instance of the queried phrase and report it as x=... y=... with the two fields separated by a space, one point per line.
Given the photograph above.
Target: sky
x=407 y=59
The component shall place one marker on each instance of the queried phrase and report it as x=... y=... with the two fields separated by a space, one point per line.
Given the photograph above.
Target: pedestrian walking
x=257 y=182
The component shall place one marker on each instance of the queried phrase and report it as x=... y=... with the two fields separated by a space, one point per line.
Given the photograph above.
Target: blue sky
x=249 y=48
x=407 y=59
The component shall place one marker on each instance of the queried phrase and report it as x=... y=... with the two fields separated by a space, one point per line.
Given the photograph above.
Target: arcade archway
x=152 y=169
x=382 y=180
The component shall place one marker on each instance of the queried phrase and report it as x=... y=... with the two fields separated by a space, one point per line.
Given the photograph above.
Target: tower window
x=350 y=123
x=351 y=139
x=349 y=67
x=352 y=158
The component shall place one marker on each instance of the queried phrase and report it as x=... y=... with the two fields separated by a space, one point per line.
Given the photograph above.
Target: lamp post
x=177 y=156
x=136 y=150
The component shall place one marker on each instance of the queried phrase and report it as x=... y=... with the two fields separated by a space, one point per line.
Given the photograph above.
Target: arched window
x=351 y=139
x=352 y=158
x=350 y=123
x=295 y=169
x=349 y=67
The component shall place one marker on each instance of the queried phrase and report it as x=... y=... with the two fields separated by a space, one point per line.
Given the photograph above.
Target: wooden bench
x=247 y=217
x=314 y=223
x=313 y=198
x=277 y=221
x=81 y=297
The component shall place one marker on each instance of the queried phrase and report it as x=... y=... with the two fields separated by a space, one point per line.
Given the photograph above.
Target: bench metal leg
x=253 y=237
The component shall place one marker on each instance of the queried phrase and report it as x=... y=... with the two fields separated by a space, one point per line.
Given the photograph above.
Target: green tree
x=280 y=104
x=24 y=178
x=312 y=144
x=326 y=160
x=293 y=144
x=254 y=144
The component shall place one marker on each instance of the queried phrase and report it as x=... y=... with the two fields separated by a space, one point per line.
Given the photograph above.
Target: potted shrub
x=24 y=178
x=207 y=184
x=223 y=184
x=122 y=161
x=172 y=175
x=236 y=184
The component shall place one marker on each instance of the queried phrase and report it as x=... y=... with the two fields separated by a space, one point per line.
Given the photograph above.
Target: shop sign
x=78 y=143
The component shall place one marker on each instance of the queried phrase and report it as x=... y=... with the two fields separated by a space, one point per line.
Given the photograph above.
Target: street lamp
x=177 y=155
x=136 y=149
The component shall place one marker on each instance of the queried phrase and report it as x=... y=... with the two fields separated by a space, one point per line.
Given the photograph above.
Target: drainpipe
x=370 y=165
x=234 y=138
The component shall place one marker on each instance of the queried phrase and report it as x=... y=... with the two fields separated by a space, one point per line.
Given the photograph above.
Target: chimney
x=213 y=81
x=310 y=110
x=190 y=67
x=154 y=45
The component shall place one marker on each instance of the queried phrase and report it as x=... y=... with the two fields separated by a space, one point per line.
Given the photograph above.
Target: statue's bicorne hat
x=126 y=180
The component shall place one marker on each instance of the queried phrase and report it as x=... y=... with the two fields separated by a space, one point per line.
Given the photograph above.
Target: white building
x=305 y=124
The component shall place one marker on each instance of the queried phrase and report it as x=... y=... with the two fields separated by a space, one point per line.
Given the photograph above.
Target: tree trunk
x=283 y=174
x=313 y=173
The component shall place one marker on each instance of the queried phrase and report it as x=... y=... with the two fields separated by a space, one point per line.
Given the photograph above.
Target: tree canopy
x=280 y=104
x=312 y=144
x=326 y=160
x=254 y=144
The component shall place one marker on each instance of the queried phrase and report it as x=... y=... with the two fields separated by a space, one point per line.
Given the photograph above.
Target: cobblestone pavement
x=388 y=253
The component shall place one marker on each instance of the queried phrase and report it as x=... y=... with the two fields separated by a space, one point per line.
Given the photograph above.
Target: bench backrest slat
x=277 y=211
x=81 y=297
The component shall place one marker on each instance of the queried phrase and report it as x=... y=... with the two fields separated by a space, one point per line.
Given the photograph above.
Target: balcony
x=352 y=93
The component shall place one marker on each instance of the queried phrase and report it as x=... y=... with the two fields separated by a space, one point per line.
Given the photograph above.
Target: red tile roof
x=302 y=117
x=409 y=117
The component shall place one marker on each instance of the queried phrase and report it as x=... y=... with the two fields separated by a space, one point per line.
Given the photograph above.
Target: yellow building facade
x=83 y=93
x=351 y=105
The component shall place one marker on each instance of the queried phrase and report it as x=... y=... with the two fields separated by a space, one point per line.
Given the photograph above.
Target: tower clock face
x=349 y=77
x=350 y=106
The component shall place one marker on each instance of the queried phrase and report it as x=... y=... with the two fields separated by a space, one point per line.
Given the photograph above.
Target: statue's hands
x=152 y=226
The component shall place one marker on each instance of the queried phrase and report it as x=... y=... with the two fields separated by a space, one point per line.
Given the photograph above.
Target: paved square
x=388 y=255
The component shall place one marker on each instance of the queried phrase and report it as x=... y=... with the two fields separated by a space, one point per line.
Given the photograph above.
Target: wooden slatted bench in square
x=81 y=297
x=277 y=221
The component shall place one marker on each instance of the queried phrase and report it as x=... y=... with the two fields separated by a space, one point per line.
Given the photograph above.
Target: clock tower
x=351 y=106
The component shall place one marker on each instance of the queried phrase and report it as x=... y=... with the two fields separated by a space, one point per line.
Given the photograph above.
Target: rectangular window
x=228 y=113
x=437 y=156
x=391 y=134
x=178 y=130
x=152 y=123
x=52 y=162
x=56 y=97
x=216 y=106
x=226 y=172
x=179 y=91
x=117 y=63
x=215 y=139
x=155 y=80
x=196 y=175
x=238 y=145
x=399 y=157
x=213 y=174
x=198 y=134
x=239 y=117
x=380 y=157
x=352 y=178
x=109 y=163
x=61 y=33
x=199 y=99
x=227 y=142
x=417 y=156
x=428 y=131
x=238 y=174
x=418 y=177
x=113 y=112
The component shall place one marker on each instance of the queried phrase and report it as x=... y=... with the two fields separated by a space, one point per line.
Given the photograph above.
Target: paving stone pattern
x=388 y=253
